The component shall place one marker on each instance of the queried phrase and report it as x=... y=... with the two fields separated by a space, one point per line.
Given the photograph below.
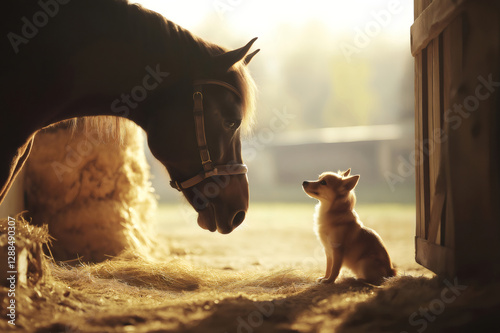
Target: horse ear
x=225 y=60
x=347 y=172
x=249 y=57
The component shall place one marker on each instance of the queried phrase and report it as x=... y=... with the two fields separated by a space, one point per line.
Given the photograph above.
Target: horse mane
x=148 y=27
x=107 y=128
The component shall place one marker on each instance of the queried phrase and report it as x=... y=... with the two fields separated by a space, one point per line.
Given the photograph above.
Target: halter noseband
x=209 y=169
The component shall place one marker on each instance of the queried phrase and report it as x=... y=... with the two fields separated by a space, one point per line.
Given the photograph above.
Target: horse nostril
x=305 y=183
x=238 y=219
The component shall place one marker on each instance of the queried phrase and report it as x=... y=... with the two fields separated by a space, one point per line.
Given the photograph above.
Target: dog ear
x=347 y=172
x=350 y=182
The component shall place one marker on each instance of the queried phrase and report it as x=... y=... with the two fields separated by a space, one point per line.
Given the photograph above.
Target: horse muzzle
x=208 y=219
x=226 y=210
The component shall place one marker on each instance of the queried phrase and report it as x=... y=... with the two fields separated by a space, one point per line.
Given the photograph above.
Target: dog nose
x=305 y=183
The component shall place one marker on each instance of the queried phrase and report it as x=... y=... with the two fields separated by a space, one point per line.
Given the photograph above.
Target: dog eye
x=323 y=182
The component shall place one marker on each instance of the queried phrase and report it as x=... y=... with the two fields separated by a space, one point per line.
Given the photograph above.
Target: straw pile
x=21 y=251
x=93 y=192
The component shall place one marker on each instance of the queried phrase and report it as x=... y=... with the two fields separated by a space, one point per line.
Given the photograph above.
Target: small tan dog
x=346 y=240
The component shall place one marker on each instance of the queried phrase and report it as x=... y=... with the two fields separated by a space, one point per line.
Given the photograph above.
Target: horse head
x=207 y=114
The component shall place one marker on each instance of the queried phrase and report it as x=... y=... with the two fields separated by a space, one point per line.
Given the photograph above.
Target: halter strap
x=218 y=83
x=209 y=169
x=199 y=123
x=219 y=170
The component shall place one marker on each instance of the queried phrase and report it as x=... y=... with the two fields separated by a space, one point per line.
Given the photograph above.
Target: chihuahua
x=346 y=240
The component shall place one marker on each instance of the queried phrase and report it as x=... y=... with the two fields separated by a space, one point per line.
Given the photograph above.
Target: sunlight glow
x=259 y=16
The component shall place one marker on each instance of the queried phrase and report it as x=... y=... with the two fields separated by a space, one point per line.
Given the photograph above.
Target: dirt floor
x=260 y=278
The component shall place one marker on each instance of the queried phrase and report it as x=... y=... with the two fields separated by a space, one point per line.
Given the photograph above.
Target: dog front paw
x=323 y=280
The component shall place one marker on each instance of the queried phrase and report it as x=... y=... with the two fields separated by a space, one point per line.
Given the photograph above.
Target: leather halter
x=209 y=169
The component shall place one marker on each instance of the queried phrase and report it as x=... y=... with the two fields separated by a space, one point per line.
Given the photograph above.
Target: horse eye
x=232 y=124
x=323 y=182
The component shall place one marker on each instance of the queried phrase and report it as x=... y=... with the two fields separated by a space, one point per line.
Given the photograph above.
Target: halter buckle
x=175 y=184
x=198 y=93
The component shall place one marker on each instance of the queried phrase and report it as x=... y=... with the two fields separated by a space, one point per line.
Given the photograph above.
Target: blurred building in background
x=335 y=84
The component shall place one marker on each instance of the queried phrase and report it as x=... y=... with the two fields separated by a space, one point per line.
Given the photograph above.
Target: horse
x=108 y=59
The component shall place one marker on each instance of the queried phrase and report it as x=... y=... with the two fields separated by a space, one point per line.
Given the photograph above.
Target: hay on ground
x=123 y=294
x=22 y=253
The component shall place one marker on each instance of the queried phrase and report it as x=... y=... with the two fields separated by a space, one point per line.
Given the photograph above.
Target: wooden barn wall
x=456 y=45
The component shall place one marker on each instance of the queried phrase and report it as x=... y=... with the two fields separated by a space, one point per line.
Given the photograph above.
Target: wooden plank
x=426 y=109
x=426 y=116
x=439 y=120
x=437 y=258
x=429 y=152
x=421 y=134
x=421 y=103
x=473 y=147
x=419 y=6
x=432 y=21
x=416 y=9
x=436 y=199
x=452 y=67
x=436 y=127
x=420 y=231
